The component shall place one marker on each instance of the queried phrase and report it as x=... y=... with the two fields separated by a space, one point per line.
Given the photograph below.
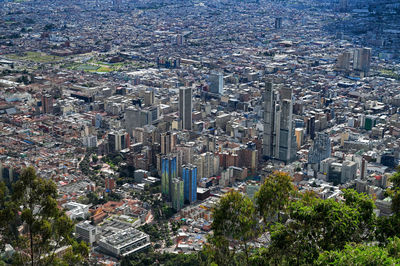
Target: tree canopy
x=46 y=228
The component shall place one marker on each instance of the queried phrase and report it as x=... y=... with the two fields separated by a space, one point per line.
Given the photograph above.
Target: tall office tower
x=149 y=98
x=364 y=167
x=279 y=139
x=168 y=142
x=362 y=59
x=343 y=62
x=216 y=83
x=169 y=171
x=278 y=23
x=310 y=126
x=118 y=140
x=189 y=176
x=177 y=197
x=47 y=104
x=185 y=108
x=320 y=150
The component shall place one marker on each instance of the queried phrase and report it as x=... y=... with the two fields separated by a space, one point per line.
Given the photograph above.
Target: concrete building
x=349 y=171
x=86 y=232
x=343 y=61
x=124 y=243
x=320 y=150
x=362 y=59
x=136 y=117
x=216 y=82
x=279 y=141
x=76 y=210
x=185 y=108
x=149 y=98
x=89 y=141
x=47 y=104
x=118 y=140
x=207 y=164
x=168 y=142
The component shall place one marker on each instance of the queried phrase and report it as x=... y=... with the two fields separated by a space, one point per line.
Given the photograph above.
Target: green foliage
x=84 y=165
x=354 y=254
x=387 y=227
x=365 y=206
x=394 y=192
x=234 y=225
x=274 y=195
x=95 y=158
x=321 y=225
x=33 y=203
x=167 y=259
x=156 y=231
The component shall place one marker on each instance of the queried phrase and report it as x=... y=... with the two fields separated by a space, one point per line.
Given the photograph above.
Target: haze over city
x=199 y=132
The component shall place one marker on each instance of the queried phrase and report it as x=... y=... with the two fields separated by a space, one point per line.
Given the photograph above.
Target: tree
x=321 y=225
x=95 y=158
x=394 y=192
x=354 y=254
x=47 y=227
x=388 y=226
x=365 y=206
x=234 y=225
x=273 y=195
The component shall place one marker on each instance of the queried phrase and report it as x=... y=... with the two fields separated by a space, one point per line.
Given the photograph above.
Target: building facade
x=185 y=108
x=279 y=141
x=189 y=176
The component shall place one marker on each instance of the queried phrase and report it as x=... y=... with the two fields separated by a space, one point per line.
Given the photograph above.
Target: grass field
x=35 y=57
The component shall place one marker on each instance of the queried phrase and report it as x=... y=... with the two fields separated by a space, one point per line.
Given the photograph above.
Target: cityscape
x=195 y=132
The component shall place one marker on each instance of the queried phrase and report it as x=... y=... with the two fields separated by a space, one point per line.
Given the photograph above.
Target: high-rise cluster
x=279 y=138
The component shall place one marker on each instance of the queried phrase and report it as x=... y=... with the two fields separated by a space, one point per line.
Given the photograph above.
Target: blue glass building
x=189 y=176
x=168 y=172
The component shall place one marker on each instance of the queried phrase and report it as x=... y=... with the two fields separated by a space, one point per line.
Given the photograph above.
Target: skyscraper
x=47 y=104
x=362 y=59
x=185 y=108
x=189 y=176
x=279 y=139
x=310 y=126
x=168 y=173
x=177 y=193
x=168 y=142
x=343 y=62
x=216 y=83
